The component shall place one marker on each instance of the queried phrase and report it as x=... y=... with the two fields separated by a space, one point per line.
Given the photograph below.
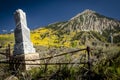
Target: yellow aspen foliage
x=67 y=44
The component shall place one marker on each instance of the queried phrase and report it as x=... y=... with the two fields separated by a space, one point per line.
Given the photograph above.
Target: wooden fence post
x=8 y=56
x=9 y=51
x=89 y=62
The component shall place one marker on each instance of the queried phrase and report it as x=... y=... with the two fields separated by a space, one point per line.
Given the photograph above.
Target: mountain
x=86 y=28
x=83 y=29
x=89 y=20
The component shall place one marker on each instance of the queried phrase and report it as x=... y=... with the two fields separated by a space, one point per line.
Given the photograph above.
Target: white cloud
x=11 y=30
x=4 y=30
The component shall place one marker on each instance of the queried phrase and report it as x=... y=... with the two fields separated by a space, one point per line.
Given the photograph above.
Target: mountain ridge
x=90 y=20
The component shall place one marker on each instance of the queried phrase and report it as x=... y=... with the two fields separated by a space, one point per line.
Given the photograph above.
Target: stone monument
x=23 y=48
x=23 y=44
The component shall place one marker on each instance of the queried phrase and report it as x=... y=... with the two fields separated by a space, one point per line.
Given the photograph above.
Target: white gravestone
x=23 y=44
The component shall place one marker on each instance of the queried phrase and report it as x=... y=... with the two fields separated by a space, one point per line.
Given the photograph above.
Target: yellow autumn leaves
x=45 y=37
x=50 y=38
x=6 y=39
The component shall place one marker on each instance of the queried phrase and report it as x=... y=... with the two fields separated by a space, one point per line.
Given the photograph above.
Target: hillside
x=85 y=28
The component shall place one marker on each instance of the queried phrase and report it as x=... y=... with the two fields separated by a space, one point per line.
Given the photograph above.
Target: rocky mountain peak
x=89 y=20
x=87 y=11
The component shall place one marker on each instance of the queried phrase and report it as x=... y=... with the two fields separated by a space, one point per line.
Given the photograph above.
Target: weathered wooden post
x=89 y=62
x=9 y=51
x=6 y=52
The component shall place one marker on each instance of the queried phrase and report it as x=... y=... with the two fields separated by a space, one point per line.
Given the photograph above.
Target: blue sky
x=43 y=12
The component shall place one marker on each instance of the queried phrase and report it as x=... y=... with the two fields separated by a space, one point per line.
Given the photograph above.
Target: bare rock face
x=90 y=20
x=23 y=44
